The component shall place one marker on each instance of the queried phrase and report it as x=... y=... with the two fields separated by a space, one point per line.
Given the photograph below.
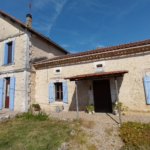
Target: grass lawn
x=29 y=134
x=135 y=135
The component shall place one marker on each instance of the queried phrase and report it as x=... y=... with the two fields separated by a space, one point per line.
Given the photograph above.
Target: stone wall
x=43 y=50
x=8 y=28
x=131 y=89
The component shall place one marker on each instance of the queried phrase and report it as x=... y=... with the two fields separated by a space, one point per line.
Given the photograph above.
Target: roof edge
x=32 y=30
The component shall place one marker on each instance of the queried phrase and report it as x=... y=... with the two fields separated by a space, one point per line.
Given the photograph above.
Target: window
x=58 y=92
x=58 y=70
x=8 y=53
x=100 y=65
x=9 y=60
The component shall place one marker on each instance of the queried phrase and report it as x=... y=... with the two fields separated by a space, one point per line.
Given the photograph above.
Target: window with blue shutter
x=5 y=53
x=51 y=92
x=65 y=92
x=8 y=52
x=1 y=92
x=13 y=49
x=146 y=81
x=12 y=93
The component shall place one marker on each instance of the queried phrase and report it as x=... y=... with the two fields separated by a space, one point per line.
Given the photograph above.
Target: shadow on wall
x=83 y=97
x=38 y=59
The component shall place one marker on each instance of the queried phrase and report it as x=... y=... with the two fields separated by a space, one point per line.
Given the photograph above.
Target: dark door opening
x=102 y=97
x=7 y=93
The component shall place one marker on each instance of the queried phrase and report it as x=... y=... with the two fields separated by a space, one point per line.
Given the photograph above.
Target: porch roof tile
x=115 y=73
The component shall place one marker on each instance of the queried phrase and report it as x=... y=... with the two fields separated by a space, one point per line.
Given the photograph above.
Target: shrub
x=41 y=116
x=36 y=105
x=90 y=107
x=135 y=134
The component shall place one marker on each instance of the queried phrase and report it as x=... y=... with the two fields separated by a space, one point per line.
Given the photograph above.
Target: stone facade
x=27 y=47
x=131 y=89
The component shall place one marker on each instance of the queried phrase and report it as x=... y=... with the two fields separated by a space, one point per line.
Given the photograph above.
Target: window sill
x=10 y=64
x=56 y=102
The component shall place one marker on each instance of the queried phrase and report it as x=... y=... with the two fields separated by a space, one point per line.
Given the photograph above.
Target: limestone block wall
x=18 y=54
x=41 y=49
x=8 y=28
x=32 y=85
x=131 y=89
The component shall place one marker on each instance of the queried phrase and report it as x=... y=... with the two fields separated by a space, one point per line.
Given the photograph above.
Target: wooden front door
x=7 y=93
x=102 y=97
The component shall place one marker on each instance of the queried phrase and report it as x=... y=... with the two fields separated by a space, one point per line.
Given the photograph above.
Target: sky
x=79 y=25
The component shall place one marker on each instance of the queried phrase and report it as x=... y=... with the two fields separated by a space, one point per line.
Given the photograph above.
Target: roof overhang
x=100 y=75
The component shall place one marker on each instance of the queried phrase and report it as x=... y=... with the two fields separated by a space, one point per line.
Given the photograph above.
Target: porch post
x=118 y=100
x=77 y=100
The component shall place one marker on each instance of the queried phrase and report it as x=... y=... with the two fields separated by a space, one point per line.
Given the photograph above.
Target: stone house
x=20 y=46
x=40 y=71
x=94 y=73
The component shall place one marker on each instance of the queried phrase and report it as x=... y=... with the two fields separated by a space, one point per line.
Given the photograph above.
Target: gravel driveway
x=105 y=135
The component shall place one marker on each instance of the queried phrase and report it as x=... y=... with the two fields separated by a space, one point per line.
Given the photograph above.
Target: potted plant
x=36 y=107
x=115 y=107
x=90 y=109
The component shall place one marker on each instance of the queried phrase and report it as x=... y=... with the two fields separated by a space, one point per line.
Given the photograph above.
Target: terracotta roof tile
x=32 y=30
x=97 y=74
x=99 y=50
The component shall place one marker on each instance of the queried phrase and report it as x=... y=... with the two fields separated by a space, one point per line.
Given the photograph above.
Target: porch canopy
x=100 y=75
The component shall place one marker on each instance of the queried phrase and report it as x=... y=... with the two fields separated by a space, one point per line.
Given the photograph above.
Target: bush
x=41 y=116
x=122 y=107
x=36 y=105
x=135 y=135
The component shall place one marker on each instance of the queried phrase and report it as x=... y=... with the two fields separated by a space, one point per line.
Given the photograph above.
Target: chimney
x=29 y=20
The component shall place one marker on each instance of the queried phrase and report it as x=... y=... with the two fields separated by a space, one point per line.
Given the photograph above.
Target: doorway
x=102 y=96
x=7 y=92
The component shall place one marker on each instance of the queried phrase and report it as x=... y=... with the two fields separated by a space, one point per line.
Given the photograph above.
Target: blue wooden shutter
x=13 y=49
x=12 y=93
x=5 y=53
x=1 y=92
x=146 y=81
x=65 y=93
x=51 y=92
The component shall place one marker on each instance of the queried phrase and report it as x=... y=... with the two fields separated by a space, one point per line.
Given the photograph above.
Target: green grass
x=135 y=135
x=33 y=134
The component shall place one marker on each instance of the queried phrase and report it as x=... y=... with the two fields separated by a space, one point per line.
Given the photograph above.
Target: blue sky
x=79 y=25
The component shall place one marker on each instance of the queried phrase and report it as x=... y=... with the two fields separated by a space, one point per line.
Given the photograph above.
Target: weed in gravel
x=91 y=147
x=109 y=131
x=86 y=124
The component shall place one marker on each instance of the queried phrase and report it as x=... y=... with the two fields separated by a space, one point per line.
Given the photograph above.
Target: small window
x=58 y=70
x=9 y=60
x=58 y=92
x=99 y=65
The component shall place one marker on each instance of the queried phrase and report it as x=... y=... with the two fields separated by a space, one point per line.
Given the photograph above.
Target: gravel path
x=104 y=134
